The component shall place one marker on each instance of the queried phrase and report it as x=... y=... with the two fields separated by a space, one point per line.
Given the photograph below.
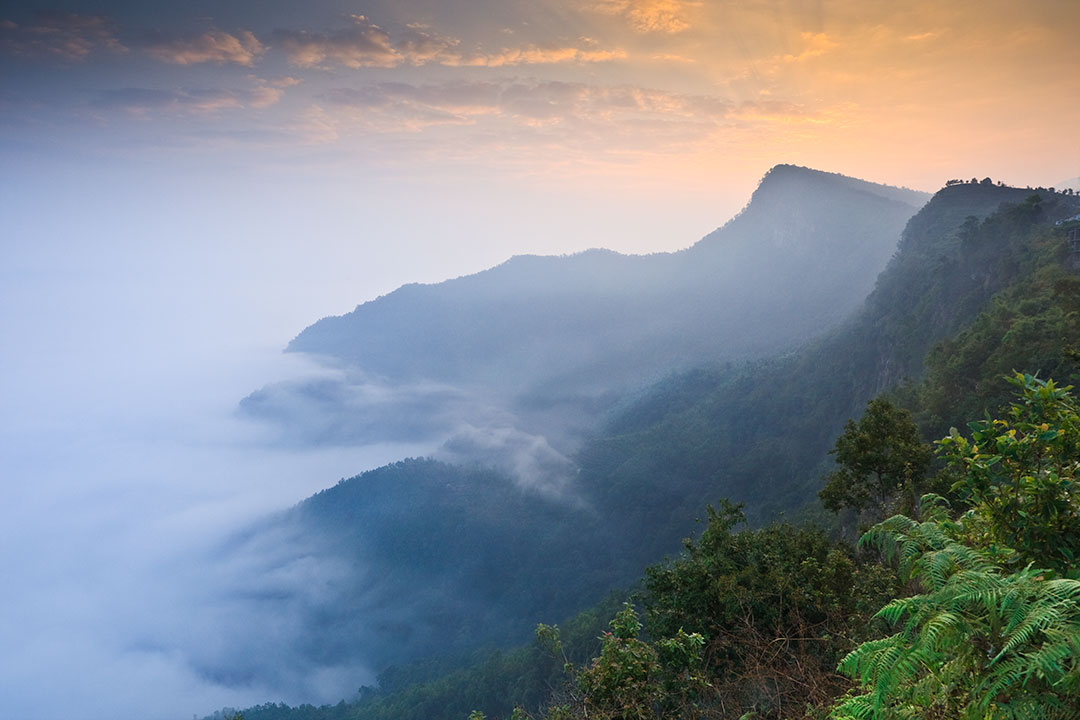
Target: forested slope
x=977 y=286
x=760 y=433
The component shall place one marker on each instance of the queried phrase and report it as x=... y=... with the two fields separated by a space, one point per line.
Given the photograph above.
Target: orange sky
x=674 y=101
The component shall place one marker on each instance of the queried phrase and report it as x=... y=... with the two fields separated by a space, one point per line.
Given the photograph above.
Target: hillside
x=980 y=269
x=545 y=345
x=760 y=434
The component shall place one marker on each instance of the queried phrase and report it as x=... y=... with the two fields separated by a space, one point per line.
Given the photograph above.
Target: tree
x=635 y=680
x=748 y=623
x=631 y=679
x=878 y=456
x=779 y=607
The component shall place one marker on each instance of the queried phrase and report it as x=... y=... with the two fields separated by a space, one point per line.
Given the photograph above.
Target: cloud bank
x=466 y=426
x=214 y=46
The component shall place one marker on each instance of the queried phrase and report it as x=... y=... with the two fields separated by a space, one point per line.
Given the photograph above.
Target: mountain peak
x=787 y=178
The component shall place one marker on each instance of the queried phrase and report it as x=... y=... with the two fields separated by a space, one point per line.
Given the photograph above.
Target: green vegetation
x=759 y=620
x=978 y=641
x=754 y=620
x=448 y=559
x=1019 y=476
x=755 y=623
x=994 y=629
x=778 y=607
x=979 y=269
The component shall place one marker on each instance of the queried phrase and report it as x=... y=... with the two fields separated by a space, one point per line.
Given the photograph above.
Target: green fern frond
x=943 y=623
x=895 y=610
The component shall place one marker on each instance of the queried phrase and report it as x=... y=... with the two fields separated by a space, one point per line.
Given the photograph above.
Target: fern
x=995 y=631
x=980 y=642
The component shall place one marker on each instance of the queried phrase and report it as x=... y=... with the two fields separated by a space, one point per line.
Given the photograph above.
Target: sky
x=185 y=186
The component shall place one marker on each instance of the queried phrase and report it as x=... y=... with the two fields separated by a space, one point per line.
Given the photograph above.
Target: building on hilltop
x=1072 y=243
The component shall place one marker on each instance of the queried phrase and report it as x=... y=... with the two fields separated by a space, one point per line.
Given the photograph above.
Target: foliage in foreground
x=1020 y=478
x=979 y=642
x=995 y=631
x=1031 y=323
x=747 y=621
x=755 y=623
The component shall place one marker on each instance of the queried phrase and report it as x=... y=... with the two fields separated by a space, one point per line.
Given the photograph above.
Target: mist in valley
x=143 y=525
x=158 y=442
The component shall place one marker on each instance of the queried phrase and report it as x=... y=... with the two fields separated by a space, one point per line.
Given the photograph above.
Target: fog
x=142 y=533
x=330 y=405
x=118 y=501
x=142 y=304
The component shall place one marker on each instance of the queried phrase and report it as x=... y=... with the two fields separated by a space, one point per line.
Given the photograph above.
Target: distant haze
x=515 y=365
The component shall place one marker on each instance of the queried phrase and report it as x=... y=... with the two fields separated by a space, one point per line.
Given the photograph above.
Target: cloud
x=140 y=101
x=189 y=101
x=672 y=58
x=531 y=102
x=816 y=45
x=348 y=407
x=402 y=107
x=529 y=459
x=314 y=127
x=540 y=56
x=284 y=81
x=537 y=123
x=147 y=585
x=263 y=96
x=62 y=36
x=269 y=92
x=355 y=409
x=362 y=45
x=366 y=45
x=214 y=46
x=773 y=111
x=420 y=45
x=648 y=16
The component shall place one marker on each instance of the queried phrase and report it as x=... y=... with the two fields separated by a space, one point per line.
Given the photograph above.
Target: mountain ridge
x=584 y=329
x=778 y=174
